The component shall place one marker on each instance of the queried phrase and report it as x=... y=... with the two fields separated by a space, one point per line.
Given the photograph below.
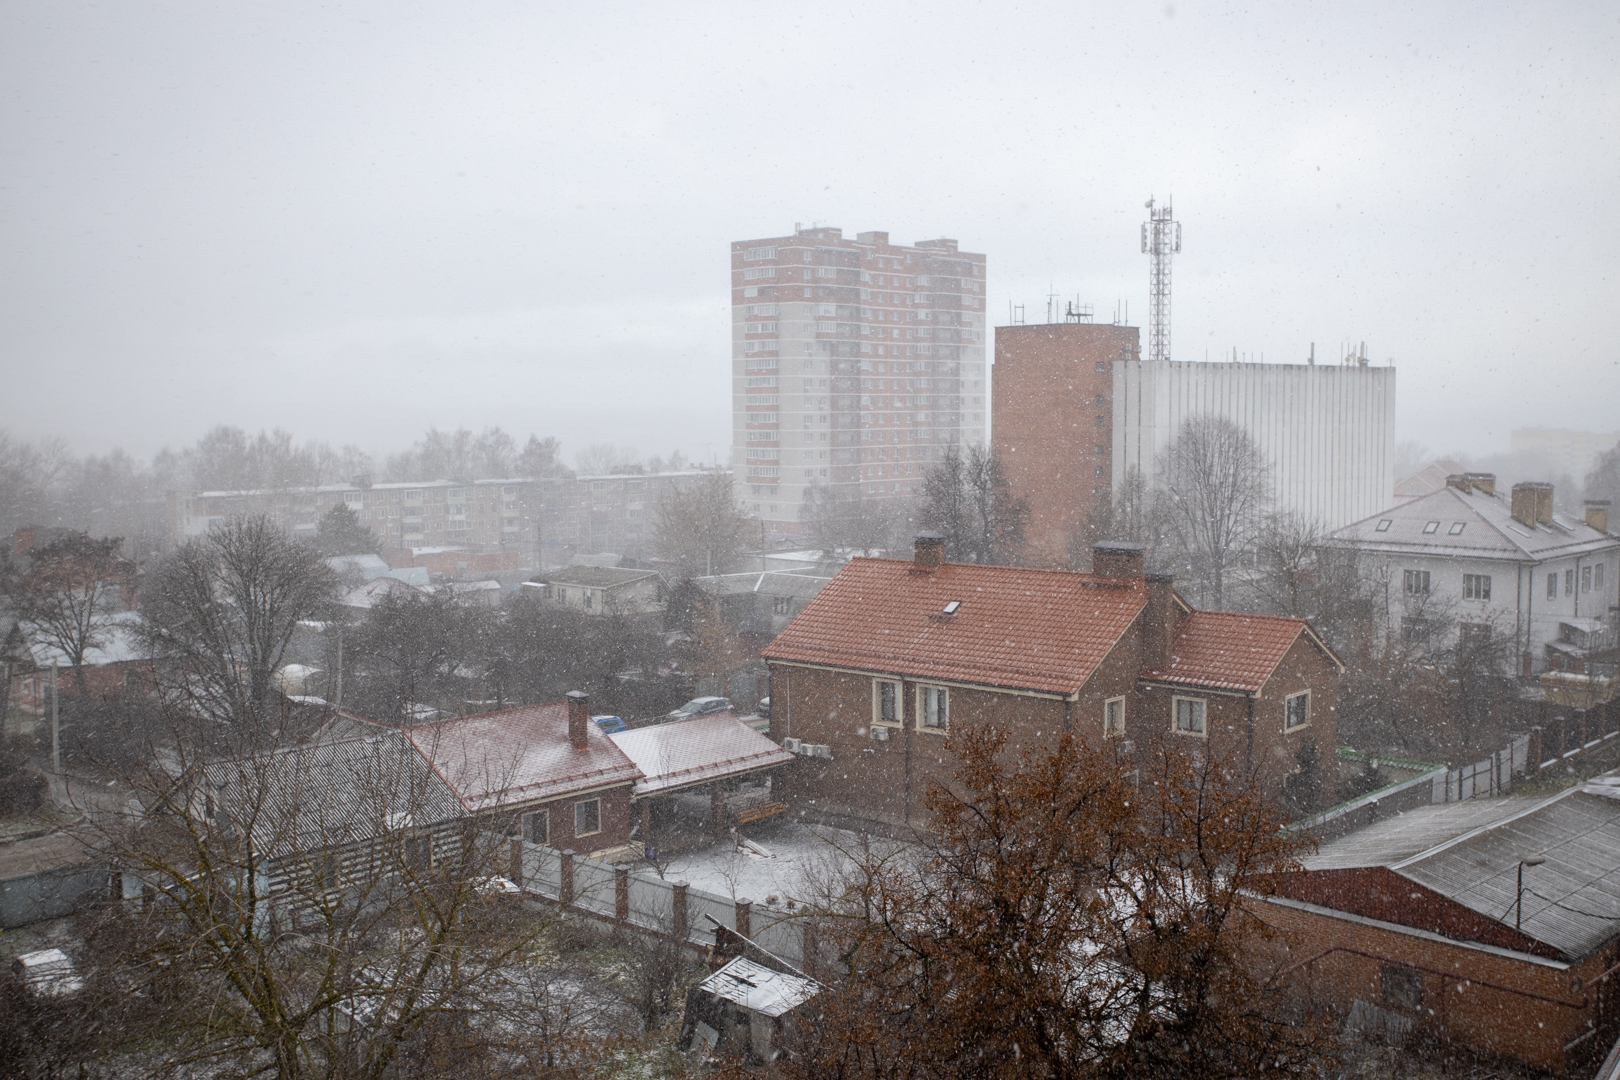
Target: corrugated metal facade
x=1329 y=431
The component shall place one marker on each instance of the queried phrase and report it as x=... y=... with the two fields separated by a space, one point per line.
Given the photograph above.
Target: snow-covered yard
x=800 y=855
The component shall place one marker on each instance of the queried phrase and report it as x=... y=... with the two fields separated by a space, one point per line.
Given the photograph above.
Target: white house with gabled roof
x=1464 y=554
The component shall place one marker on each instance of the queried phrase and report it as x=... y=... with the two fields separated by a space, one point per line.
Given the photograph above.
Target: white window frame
x=1113 y=717
x=899 y=702
x=941 y=698
x=1476 y=586
x=544 y=816
x=581 y=805
x=1288 y=711
x=1202 y=731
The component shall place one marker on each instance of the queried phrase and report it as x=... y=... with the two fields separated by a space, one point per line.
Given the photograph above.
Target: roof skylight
x=1383 y=526
x=1433 y=526
x=1457 y=527
x=950 y=608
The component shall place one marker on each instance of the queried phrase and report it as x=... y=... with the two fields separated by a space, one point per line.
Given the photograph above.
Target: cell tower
x=1161 y=238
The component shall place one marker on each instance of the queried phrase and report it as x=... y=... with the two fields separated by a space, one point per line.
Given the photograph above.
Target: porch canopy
x=702 y=750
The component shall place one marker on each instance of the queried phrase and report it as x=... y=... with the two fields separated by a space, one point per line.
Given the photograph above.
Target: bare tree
x=1134 y=513
x=844 y=519
x=967 y=497
x=1216 y=487
x=223 y=608
x=67 y=590
x=701 y=529
x=602 y=458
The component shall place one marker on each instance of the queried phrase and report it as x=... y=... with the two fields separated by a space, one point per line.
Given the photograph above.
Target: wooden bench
x=760 y=811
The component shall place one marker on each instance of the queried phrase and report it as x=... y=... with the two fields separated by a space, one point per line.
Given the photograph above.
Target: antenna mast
x=1161 y=238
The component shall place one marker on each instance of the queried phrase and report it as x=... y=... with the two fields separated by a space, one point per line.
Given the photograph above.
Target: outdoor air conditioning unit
x=821 y=750
x=793 y=746
x=880 y=733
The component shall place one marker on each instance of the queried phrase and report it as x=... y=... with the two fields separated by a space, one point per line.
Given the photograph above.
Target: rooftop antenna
x=1161 y=238
x=1051 y=304
x=1077 y=312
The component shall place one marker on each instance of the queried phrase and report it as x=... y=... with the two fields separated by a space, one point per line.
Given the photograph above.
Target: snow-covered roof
x=376 y=590
x=760 y=989
x=1429 y=525
x=696 y=751
x=368 y=565
x=118 y=641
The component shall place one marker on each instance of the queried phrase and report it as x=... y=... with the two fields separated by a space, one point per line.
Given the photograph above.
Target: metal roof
x=1489 y=530
x=760 y=989
x=601 y=577
x=1412 y=832
x=696 y=751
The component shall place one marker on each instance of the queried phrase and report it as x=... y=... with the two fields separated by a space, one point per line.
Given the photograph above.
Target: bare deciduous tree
x=967 y=497
x=1216 y=486
x=64 y=595
x=223 y=608
x=844 y=519
x=701 y=528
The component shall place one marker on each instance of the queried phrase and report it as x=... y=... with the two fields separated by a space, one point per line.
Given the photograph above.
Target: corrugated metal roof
x=760 y=989
x=697 y=751
x=1412 y=832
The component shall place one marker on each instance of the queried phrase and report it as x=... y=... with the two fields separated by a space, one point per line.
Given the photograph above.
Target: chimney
x=1463 y=482
x=1532 y=503
x=579 y=715
x=929 y=553
x=1482 y=481
x=1117 y=558
x=1158 y=620
x=1597 y=514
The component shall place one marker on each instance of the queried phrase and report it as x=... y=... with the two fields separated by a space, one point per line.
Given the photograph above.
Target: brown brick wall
x=1047 y=425
x=1500 y=1004
x=617 y=819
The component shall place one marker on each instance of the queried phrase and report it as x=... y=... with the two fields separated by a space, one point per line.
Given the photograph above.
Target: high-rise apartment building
x=855 y=363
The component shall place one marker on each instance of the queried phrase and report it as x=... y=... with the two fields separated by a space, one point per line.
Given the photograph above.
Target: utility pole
x=1161 y=238
x=56 y=724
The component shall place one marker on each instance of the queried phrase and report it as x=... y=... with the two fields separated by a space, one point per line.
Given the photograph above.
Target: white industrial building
x=1328 y=431
x=1463 y=559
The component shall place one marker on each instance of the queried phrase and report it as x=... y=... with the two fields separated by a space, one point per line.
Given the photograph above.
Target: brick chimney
x=928 y=553
x=579 y=715
x=1461 y=482
x=1158 y=620
x=1597 y=514
x=1117 y=558
x=1532 y=503
x=1482 y=481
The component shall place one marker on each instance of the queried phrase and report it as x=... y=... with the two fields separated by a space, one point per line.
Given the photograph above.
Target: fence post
x=516 y=871
x=744 y=905
x=1532 y=753
x=621 y=891
x=678 y=910
x=565 y=879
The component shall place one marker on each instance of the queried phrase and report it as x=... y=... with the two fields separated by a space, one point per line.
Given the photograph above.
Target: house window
x=780 y=605
x=1586 y=579
x=1383 y=526
x=1113 y=717
x=1299 y=710
x=1473 y=635
x=885 y=702
x=1476 y=586
x=934 y=708
x=1433 y=526
x=537 y=827
x=1403 y=987
x=587 y=817
x=1597 y=577
x=589 y=598
x=1416 y=582
x=1189 y=716
x=1552 y=585
x=1569 y=582
x=419 y=852
x=1414 y=631
x=1457 y=528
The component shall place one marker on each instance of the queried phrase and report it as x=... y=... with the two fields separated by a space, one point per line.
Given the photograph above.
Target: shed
x=746 y=1007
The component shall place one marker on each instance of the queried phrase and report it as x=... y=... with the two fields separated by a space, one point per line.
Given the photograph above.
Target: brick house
x=545 y=769
x=871 y=677
x=1491 y=923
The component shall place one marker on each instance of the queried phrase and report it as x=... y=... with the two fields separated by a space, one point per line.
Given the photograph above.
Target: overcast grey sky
x=356 y=220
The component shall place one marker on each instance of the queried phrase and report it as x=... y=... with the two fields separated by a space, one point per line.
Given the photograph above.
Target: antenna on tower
x=1161 y=238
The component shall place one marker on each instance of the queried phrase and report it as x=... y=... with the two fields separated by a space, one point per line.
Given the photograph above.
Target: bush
x=22 y=793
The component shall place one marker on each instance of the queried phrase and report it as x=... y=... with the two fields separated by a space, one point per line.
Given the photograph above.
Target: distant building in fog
x=854 y=363
x=1568 y=453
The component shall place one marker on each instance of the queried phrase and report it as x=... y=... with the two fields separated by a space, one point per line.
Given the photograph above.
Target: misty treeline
x=44 y=482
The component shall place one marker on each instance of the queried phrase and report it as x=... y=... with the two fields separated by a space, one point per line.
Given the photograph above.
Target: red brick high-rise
x=1052 y=426
x=855 y=362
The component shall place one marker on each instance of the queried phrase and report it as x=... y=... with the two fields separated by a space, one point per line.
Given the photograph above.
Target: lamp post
x=1518 y=899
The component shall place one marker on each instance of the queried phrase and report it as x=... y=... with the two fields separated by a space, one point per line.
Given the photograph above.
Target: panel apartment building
x=855 y=363
x=1076 y=410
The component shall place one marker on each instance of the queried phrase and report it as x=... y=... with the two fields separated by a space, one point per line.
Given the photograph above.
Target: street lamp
x=1518 y=900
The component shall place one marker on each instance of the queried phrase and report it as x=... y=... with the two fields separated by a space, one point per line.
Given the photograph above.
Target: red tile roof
x=1227 y=650
x=519 y=755
x=1043 y=630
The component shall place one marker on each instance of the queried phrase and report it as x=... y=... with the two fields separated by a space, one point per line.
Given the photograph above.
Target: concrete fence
x=636 y=897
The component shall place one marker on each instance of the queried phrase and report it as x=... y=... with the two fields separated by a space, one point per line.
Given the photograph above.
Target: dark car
x=699 y=706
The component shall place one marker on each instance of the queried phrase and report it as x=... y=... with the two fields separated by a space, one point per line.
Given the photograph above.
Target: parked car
x=700 y=706
x=763 y=708
x=611 y=724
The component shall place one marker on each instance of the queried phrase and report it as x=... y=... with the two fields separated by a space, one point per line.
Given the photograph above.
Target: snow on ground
x=800 y=854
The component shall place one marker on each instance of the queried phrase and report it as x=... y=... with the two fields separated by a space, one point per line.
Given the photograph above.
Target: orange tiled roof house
x=876 y=671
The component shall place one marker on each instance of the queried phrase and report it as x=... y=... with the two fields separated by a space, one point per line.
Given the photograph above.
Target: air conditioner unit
x=881 y=734
x=793 y=746
x=822 y=750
